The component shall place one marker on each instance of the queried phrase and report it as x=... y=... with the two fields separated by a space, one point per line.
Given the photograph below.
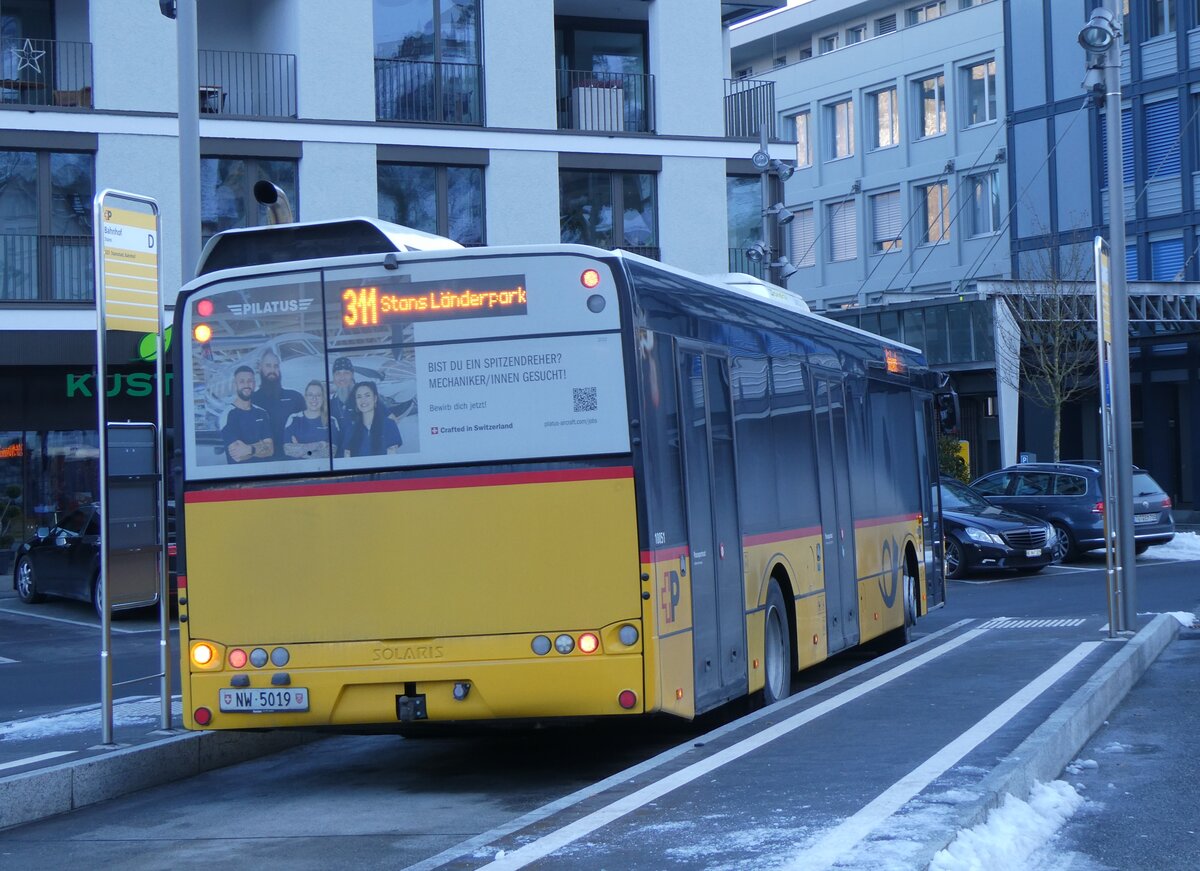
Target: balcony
x=749 y=104
x=247 y=84
x=45 y=72
x=39 y=268
x=739 y=262
x=605 y=102
x=652 y=252
x=431 y=92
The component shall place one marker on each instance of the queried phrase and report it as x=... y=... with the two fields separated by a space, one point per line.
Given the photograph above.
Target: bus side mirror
x=947 y=409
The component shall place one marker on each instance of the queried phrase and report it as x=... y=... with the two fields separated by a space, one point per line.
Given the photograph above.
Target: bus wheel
x=902 y=635
x=777 y=648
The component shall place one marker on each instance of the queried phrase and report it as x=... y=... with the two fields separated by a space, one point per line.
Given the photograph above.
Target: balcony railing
x=651 y=251
x=605 y=102
x=739 y=262
x=247 y=83
x=45 y=72
x=429 y=91
x=749 y=104
x=39 y=268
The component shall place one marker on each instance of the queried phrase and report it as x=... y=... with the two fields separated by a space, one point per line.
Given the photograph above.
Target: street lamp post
x=1100 y=38
x=776 y=269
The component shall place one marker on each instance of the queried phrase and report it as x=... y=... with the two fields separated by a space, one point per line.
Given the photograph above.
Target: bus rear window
x=471 y=360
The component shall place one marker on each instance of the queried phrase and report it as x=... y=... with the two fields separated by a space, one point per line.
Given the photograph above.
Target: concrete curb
x=35 y=795
x=1042 y=756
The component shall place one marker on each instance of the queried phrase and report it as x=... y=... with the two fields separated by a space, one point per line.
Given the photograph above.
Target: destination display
x=364 y=307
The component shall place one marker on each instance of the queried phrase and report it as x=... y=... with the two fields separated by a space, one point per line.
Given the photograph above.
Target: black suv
x=1070 y=496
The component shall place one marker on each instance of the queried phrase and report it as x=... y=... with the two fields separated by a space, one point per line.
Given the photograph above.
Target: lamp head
x=761 y=159
x=1100 y=32
x=756 y=253
x=783 y=170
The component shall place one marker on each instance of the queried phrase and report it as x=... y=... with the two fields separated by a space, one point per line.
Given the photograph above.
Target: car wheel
x=27 y=582
x=1064 y=548
x=956 y=566
x=777 y=648
x=1141 y=547
x=98 y=598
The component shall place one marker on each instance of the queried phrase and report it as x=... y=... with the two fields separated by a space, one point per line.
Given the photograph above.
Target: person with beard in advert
x=277 y=401
x=246 y=432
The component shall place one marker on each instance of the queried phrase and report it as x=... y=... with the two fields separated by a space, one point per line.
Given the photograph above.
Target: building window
x=885 y=125
x=925 y=12
x=984 y=191
x=227 y=191
x=803 y=143
x=931 y=103
x=780 y=61
x=856 y=34
x=427 y=61
x=828 y=43
x=445 y=200
x=1166 y=260
x=935 y=213
x=885 y=222
x=1162 y=139
x=609 y=210
x=1160 y=17
x=841 y=129
x=885 y=25
x=743 y=198
x=46 y=225
x=1131 y=263
x=843 y=231
x=743 y=73
x=981 y=92
x=804 y=245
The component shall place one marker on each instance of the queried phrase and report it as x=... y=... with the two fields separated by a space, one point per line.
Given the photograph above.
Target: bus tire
x=902 y=635
x=777 y=647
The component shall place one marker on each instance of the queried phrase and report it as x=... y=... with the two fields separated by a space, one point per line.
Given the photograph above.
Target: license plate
x=1145 y=518
x=264 y=701
x=1035 y=552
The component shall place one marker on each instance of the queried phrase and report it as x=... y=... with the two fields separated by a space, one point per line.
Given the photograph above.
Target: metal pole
x=189 y=140
x=106 y=687
x=164 y=604
x=765 y=182
x=1123 y=514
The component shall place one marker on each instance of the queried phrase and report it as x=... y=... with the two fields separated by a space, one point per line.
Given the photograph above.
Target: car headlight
x=1050 y=534
x=976 y=534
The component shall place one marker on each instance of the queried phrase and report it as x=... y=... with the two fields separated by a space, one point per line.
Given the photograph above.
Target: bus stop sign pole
x=127 y=298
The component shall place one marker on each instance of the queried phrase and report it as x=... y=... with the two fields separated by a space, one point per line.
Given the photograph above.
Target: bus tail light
x=628 y=635
x=564 y=643
x=541 y=645
x=204 y=655
x=202 y=332
x=237 y=658
x=627 y=699
x=590 y=279
x=588 y=643
x=202 y=716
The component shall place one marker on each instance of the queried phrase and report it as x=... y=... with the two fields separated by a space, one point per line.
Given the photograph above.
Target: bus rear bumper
x=570 y=686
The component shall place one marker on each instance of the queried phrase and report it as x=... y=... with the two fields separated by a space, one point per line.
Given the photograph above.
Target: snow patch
x=1078 y=766
x=1116 y=747
x=1184 y=546
x=1186 y=618
x=1012 y=832
x=134 y=712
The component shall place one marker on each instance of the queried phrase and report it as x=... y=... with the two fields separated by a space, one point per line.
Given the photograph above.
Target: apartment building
x=505 y=122
x=901 y=194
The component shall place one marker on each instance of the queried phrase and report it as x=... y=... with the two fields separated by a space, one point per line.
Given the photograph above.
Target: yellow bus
x=427 y=483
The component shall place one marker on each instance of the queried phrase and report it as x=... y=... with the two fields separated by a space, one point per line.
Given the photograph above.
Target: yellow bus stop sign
x=129 y=261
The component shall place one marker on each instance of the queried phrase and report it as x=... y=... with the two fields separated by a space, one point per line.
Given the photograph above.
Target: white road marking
x=844 y=837
x=556 y=840
x=23 y=613
x=30 y=760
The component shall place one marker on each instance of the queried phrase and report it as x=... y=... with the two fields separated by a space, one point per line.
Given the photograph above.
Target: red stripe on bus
x=884 y=521
x=181 y=582
x=654 y=556
x=500 y=479
x=783 y=535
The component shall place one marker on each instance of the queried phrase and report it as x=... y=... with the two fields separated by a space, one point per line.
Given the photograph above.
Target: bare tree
x=1054 y=309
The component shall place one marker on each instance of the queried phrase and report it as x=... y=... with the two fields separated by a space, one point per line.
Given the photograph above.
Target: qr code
x=585 y=398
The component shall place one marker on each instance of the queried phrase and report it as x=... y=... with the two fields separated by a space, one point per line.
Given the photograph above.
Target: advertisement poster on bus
x=313 y=372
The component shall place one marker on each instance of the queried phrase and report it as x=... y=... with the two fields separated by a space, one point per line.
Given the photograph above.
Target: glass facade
x=446 y=200
x=609 y=209
x=227 y=191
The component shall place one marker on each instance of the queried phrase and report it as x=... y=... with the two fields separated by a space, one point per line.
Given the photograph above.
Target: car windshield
x=956 y=495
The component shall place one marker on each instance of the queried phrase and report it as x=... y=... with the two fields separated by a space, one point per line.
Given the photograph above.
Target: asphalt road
x=383 y=801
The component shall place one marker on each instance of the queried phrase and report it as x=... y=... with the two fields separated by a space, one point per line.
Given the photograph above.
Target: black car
x=1070 y=496
x=980 y=535
x=64 y=560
